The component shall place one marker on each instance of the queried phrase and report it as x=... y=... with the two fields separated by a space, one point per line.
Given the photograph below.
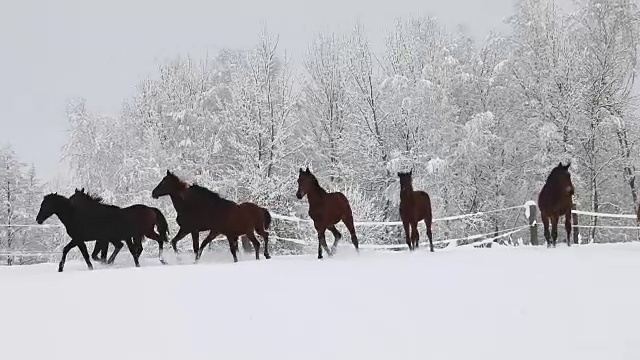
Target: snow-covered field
x=502 y=303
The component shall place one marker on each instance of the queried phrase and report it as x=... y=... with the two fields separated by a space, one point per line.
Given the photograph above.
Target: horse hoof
x=267 y=256
x=163 y=262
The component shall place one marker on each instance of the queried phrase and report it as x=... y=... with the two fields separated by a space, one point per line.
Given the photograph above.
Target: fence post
x=574 y=222
x=533 y=229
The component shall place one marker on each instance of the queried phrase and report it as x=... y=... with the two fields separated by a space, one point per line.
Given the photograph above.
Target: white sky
x=53 y=50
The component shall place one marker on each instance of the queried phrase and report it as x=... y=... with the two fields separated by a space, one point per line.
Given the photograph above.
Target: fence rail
x=530 y=212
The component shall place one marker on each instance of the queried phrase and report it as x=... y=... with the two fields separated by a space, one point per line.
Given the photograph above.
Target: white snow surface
x=505 y=303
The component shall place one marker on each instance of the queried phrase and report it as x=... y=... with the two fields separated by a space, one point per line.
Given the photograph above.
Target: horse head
x=48 y=207
x=561 y=178
x=169 y=184
x=406 y=179
x=305 y=181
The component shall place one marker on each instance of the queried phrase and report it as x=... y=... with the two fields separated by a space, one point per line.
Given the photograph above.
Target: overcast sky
x=56 y=50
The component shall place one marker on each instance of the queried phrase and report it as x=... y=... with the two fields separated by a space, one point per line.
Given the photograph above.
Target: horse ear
x=307 y=171
x=82 y=191
x=567 y=166
x=77 y=190
x=398 y=174
x=560 y=164
x=411 y=172
x=301 y=171
x=168 y=172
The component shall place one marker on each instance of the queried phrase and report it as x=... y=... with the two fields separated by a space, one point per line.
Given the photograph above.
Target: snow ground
x=502 y=303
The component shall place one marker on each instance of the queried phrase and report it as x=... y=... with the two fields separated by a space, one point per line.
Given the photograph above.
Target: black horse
x=142 y=218
x=100 y=223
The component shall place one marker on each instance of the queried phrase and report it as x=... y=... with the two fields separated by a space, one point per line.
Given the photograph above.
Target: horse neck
x=316 y=194
x=64 y=212
x=406 y=192
x=177 y=200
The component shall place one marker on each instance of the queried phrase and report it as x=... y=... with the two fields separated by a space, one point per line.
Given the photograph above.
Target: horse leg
x=100 y=247
x=137 y=244
x=65 y=250
x=336 y=237
x=348 y=222
x=429 y=234
x=265 y=236
x=545 y=223
x=195 y=239
x=407 y=233
x=97 y=247
x=255 y=242
x=554 y=229
x=233 y=246
x=104 y=248
x=212 y=235
x=322 y=243
x=118 y=245
x=133 y=249
x=155 y=236
x=85 y=254
x=415 y=236
x=567 y=226
x=179 y=236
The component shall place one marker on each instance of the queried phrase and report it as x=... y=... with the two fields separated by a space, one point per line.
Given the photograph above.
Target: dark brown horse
x=200 y=209
x=326 y=210
x=415 y=206
x=555 y=200
x=144 y=219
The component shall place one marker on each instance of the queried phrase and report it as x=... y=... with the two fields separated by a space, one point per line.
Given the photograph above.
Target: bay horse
x=555 y=200
x=143 y=220
x=326 y=210
x=415 y=206
x=84 y=225
x=200 y=209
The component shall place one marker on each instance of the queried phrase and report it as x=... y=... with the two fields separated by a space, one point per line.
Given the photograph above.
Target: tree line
x=480 y=123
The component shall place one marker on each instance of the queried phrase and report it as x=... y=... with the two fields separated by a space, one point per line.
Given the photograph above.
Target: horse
x=556 y=199
x=415 y=206
x=326 y=210
x=200 y=209
x=143 y=219
x=85 y=225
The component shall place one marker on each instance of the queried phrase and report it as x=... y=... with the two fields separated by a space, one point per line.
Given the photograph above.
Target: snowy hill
x=502 y=303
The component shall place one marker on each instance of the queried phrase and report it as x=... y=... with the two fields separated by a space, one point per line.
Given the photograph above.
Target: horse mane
x=176 y=178
x=208 y=194
x=56 y=196
x=315 y=182
x=92 y=197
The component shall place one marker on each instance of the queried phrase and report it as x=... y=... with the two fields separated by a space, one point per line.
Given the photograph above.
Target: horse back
x=102 y=221
x=140 y=215
x=338 y=204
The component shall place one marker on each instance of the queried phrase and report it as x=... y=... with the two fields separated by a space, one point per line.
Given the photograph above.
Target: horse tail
x=267 y=219
x=161 y=223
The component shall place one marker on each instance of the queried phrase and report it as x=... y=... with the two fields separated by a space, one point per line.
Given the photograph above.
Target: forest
x=481 y=123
